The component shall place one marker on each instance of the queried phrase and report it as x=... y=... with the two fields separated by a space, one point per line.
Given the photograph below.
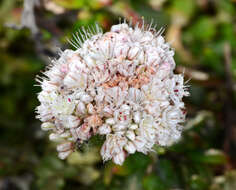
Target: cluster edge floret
x=119 y=84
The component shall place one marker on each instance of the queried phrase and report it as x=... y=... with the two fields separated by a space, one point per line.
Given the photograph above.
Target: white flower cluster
x=119 y=84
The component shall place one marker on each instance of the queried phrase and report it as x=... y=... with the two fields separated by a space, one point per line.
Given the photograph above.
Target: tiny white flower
x=71 y=121
x=133 y=52
x=81 y=109
x=133 y=126
x=64 y=155
x=130 y=135
x=64 y=147
x=118 y=127
x=47 y=126
x=130 y=147
x=65 y=135
x=90 y=109
x=139 y=143
x=104 y=129
x=55 y=137
x=137 y=117
x=119 y=158
x=110 y=121
x=86 y=98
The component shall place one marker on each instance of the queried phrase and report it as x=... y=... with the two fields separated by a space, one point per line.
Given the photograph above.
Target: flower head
x=119 y=84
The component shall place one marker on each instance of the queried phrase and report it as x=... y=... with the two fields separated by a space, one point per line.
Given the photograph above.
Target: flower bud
x=66 y=134
x=104 y=129
x=110 y=121
x=133 y=52
x=133 y=126
x=55 y=137
x=83 y=132
x=139 y=142
x=130 y=148
x=81 y=109
x=121 y=51
x=64 y=147
x=90 y=109
x=119 y=158
x=71 y=121
x=47 y=126
x=130 y=135
x=64 y=155
x=137 y=117
x=86 y=98
x=118 y=127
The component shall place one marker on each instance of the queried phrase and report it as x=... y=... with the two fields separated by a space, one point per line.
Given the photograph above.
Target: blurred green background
x=203 y=34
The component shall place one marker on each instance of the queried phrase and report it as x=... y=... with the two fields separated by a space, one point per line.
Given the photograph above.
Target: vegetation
x=203 y=33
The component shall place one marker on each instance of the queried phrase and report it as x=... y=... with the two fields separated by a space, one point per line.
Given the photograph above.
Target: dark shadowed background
x=203 y=33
